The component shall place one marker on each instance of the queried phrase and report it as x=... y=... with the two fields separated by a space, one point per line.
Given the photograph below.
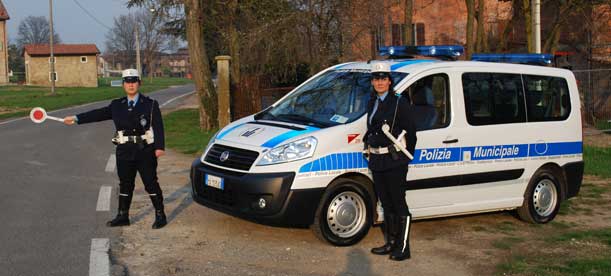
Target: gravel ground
x=201 y=241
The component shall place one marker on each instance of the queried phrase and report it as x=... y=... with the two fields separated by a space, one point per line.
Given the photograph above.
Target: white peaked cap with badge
x=380 y=67
x=130 y=73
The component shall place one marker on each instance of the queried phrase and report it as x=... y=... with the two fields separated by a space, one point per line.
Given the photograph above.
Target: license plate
x=214 y=181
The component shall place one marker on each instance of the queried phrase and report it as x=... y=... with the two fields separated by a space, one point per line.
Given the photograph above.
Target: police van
x=491 y=136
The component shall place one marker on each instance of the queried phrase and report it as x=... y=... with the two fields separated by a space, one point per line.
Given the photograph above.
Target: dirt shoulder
x=200 y=241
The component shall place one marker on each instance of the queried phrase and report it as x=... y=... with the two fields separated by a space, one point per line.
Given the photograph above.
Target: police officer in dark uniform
x=387 y=163
x=140 y=141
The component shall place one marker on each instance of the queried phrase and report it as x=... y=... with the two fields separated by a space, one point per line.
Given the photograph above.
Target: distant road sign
x=116 y=83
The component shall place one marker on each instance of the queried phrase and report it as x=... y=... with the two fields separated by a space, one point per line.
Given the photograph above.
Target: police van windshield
x=333 y=98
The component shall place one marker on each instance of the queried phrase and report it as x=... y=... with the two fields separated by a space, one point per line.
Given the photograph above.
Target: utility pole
x=52 y=58
x=536 y=12
x=138 y=66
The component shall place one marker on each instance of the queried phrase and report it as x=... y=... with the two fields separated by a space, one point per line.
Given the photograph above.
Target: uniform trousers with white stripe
x=389 y=186
x=146 y=166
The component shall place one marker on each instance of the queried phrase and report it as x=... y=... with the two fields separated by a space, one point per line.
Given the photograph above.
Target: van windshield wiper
x=303 y=119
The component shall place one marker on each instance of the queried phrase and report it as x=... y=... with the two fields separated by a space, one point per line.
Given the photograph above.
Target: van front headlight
x=296 y=150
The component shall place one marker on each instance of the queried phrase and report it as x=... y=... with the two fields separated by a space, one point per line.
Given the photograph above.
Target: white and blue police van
x=491 y=136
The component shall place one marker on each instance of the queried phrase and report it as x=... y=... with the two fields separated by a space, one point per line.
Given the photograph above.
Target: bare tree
x=152 y=39
x=35 y=30
x=482 y=39
x=120 y=40
x=208 y=103
x=191 y=23
x=509 y=26
x=470 y=20
x=409 y=30
x=526 y=9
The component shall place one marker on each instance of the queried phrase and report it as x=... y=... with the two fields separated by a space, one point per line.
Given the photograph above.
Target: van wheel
x=542 y=198
x=345 y=213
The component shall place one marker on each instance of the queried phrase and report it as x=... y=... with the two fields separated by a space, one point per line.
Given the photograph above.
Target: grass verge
x=597 y=161
x=182 y=132
x=583 y=252
x=17 y=101
x=578 y=242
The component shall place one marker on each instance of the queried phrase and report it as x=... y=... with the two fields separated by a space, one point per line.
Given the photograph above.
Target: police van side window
x=547 y=98
x=430 y=97
x=493 y=98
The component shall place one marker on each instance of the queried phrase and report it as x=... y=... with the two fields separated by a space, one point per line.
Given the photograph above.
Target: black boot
x=401 y=250
x=390 y=234
x=160 y=219
x=122 y=218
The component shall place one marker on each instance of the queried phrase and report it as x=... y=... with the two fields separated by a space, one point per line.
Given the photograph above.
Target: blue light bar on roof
x=430 y=51
x=538 y=59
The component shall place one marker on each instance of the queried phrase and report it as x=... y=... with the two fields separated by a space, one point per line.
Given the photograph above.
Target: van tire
x=348 y=197
x=542 y=197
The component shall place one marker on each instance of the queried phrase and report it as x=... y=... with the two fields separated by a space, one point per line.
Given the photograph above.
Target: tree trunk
x=208 y=104
x=409 y=29
x=528 y=23
x=482 y=41
x=470 y=19
x=503 y=39
x=560 y=18
x=234 y=52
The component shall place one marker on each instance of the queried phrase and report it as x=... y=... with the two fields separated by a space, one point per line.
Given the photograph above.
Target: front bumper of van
x=242 y=193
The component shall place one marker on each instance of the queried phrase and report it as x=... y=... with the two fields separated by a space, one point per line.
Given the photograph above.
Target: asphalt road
x=50 y=179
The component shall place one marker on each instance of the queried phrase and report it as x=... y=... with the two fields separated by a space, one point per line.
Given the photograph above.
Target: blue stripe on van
x=287 y=135
x=336 y=161
x=220 y=136
x=356 y=160
x=405 y=63
x=542 y=149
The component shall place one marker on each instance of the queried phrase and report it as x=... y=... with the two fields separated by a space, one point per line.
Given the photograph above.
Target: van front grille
x=237 y=158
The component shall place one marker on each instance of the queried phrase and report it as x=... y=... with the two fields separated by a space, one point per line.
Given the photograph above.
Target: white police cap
x=381 y=69
x=128 y=73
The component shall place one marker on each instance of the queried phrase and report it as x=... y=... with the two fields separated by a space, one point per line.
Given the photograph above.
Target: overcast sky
x=70 y=21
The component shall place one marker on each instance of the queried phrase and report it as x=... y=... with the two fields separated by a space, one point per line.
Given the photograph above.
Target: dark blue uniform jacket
x=134 y=122
x=375 y=137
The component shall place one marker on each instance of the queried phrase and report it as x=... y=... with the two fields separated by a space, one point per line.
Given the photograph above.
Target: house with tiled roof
x=3 y=44
x=75 y=64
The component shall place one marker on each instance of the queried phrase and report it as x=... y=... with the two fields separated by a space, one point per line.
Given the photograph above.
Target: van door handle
x=450 y=141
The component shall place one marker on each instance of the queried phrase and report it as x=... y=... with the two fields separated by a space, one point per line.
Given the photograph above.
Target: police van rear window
x=498 y=98
x=547 y=98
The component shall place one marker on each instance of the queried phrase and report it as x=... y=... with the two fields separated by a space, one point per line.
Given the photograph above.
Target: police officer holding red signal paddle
x=140 y=141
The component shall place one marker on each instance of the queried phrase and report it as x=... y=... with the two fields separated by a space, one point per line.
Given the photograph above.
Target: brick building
x=377 y=23
x=75 y=64
x=3 y=45
x=434 y=22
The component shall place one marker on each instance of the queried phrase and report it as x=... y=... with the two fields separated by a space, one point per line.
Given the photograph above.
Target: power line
x=91 y=15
